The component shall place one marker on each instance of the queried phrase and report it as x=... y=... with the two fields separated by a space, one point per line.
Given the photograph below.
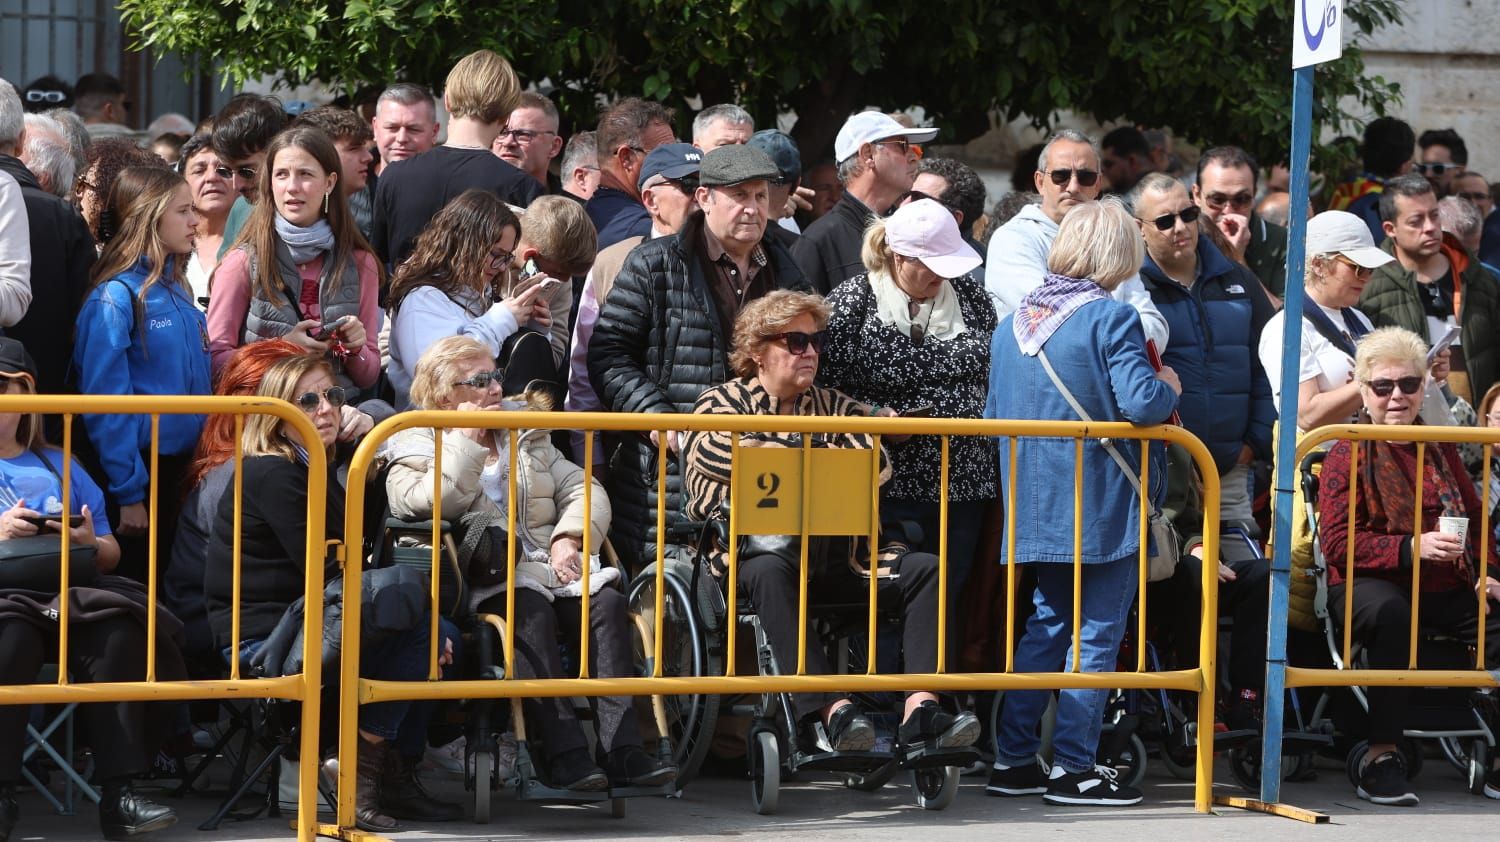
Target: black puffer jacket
x=657 y=347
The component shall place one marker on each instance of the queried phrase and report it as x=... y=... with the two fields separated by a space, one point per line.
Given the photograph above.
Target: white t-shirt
x=1320 y=360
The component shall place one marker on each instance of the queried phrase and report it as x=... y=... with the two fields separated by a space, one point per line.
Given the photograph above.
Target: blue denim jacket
x=1100 y=353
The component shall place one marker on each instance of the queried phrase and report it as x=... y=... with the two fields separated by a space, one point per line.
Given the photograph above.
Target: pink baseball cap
x=926 y=230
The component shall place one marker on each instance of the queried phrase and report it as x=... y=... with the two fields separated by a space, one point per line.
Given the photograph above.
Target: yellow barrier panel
x=768 y=490
x=1411 y=675
x=305 y=687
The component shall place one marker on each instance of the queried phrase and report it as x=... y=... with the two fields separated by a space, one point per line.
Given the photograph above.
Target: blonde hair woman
x=139 y=333
x=458 y=373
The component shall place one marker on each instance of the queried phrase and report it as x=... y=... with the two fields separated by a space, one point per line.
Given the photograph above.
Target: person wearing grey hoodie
x=1017 y=257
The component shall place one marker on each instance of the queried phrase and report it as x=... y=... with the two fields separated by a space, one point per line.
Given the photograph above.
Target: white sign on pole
x=1317 y=31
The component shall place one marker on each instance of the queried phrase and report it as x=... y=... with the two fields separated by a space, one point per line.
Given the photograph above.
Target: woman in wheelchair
x=459 y=373
x=777 y=340
x=272 y=574
x=1390 y=367
x=106 y=621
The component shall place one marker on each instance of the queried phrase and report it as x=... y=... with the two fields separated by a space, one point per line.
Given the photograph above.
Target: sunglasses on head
x=1383 y=387
x=335 y=395
x=797 y=342
x=1435 y=168
x=1166 y=221
x=1086 y=178
x=483 y=379
x=226 y=173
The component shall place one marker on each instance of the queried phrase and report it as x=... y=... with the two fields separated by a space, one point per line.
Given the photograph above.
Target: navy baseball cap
x=782 y=150
x=671 y=160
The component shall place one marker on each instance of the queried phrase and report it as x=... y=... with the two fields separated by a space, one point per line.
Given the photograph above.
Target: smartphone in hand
x=40 y=521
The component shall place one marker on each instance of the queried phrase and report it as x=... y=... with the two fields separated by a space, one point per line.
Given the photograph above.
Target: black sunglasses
x=1189 y=215
x=336 y=396
x=247 y=173
x=797 y=341
x=1086 y=178
x=483 y=379
x=1384 y=387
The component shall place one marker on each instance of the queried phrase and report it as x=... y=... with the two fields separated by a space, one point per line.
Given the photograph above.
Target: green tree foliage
x=1213 y=70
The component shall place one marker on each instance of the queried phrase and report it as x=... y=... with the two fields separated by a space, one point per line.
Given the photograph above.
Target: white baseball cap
x=870 y=126
x=926 y=230
x=1341 y=232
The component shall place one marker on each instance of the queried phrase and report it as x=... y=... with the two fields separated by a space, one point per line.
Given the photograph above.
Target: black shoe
x=1098 y=787
x=632 y=766
x=929 y=727
x=1383 y=781
x=1243 y=715
x=402 y=795
x=1017 y=780
x=10 y=811
x=575 y=771
x=123 y=814
x=850 y=730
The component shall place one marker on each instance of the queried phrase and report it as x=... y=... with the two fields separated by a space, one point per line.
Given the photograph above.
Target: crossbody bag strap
x=1109 y=446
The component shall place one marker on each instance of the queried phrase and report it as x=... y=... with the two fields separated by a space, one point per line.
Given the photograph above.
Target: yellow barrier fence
x=811 y=491
x=304 y=687
x=1412 y=676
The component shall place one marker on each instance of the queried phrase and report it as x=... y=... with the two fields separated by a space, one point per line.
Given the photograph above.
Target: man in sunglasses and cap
x=1067 y=176
x=876 y=166
x=666 y=327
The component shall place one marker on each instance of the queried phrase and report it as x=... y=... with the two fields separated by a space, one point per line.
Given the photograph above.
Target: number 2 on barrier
x=768 y=490
x=770 y=483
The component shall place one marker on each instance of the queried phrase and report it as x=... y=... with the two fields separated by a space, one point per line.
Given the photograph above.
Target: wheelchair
x=695 y=619
x=1454 y=717
x=406 y=542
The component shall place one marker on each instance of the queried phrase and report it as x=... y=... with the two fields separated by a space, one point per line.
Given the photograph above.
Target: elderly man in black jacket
x=665 y=330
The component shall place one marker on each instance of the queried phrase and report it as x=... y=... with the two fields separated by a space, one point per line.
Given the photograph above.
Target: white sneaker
x=446 y=760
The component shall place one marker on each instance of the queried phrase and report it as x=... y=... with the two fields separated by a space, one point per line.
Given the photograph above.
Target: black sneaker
x=1012 y=781
x=632 y=766
x=1243 y=715
x=850 y=730
x=1098 y=787
x=929 y=726
x=574 y=770
x=1383 y=781
x=1492 y=784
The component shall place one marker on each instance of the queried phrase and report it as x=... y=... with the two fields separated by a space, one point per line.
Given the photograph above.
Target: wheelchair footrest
x=667 y=789
x=1297 y=742
x=859 y=762
x=1224 y=740
x=930 y=758
x=531 y=789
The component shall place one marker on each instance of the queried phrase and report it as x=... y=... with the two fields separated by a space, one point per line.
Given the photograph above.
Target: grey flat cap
x=736 y=164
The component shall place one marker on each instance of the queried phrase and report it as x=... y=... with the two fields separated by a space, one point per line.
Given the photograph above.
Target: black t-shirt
x=1437 y=297
x=411 y=192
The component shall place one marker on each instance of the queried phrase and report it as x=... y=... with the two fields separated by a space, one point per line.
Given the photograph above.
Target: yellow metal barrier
x=1412 y=675
x=305 y=687
x=779 y=496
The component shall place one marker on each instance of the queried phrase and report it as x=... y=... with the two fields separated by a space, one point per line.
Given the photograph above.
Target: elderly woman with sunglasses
x=778 y=343
x=913 y=333
x=1389 y=368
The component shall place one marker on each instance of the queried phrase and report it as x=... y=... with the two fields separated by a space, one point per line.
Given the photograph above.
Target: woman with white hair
x=1095 y=345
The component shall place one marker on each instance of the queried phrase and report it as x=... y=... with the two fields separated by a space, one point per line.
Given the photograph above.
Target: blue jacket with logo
x=1215 y=333
x=164 y=352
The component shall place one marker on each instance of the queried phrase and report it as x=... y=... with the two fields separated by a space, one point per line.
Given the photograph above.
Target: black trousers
x=770 y=582
x=135 y=556
x=123 y=734
x=1382 y=624
x=540 y=627
x=1247 y=600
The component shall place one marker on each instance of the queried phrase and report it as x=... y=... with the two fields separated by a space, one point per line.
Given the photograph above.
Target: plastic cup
x=1454 y=526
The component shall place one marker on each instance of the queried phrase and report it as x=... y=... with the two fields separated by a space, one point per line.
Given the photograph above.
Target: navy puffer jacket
x=1216 y=325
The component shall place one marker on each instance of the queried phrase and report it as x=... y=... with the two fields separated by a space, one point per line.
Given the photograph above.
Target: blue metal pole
x=1286 y=441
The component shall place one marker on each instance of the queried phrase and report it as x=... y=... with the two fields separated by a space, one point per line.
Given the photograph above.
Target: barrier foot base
x=333 y=831
x=1286 y=811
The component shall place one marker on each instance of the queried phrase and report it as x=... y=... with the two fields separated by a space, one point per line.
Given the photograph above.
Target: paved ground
x=821 y=809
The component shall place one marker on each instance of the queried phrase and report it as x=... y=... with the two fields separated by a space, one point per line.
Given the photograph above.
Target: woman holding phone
x=452 y=285
x=300 y=270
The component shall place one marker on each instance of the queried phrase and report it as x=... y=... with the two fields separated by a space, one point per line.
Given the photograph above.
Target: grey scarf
x=304 y=243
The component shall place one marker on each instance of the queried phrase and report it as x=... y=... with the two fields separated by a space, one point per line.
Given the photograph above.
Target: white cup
x=1454 y=526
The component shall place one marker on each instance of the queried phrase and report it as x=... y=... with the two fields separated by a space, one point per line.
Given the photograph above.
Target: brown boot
x=371 y=766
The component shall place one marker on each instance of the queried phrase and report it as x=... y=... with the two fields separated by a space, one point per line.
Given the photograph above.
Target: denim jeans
x=1108 y=593
x=411 y=742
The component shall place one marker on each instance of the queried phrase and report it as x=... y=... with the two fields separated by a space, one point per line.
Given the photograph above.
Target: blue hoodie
x=167 y=354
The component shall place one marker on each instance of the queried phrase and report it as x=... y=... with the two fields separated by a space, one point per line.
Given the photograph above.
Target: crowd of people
x=363 y=262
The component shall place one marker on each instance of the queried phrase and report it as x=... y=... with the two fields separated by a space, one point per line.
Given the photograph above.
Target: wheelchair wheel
x=484 y=770
x=686 y=651
x=1479 y=764
x=765 y=772
x=1181 y=760
x=935 y=788
x=1130 y=762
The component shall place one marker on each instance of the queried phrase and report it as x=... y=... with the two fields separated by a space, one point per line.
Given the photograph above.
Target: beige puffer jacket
x=549 y=487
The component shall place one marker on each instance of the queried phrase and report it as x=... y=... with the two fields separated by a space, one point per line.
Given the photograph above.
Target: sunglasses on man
x=1436 y=167
x=1166 y=221
x=1061 y=177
